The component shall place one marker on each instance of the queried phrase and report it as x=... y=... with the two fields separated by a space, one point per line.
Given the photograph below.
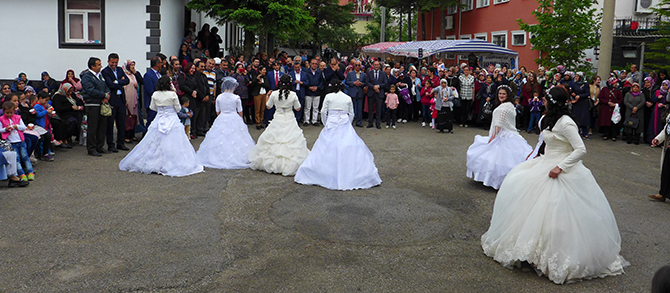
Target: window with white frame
x=499 y=1
x=452 y=9
x=518 y=38
x=499 y=38
x=466 y=4
x=481 y=36
x=483 y=3
x=81 y=22
x=450 y=38
x=530 y=38
x=464 y=37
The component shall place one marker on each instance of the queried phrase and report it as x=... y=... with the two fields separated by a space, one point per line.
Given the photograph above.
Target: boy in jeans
x=185 y=115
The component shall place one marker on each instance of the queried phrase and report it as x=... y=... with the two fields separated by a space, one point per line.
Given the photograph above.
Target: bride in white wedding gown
x=282 y=147
x=550 y=211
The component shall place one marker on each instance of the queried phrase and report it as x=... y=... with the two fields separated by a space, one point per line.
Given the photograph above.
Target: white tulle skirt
x=165 y=149
x=282 y=147
x=489 y=163
x=227 y=144
x=564 y=227
x=339 y=159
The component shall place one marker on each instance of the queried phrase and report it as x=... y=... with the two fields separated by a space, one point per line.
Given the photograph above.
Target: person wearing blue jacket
x=580 y=103
x=95 y=92
x=313 y=93
x=300 y=81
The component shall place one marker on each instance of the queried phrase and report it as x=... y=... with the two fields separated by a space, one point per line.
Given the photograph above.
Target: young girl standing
x=426 y=95
x=227 y=144
x=12 y=131
x=392 y=105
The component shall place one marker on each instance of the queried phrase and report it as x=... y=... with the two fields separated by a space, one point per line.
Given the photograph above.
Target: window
x=499 y=38
x=518 y=38
x=483 y=3
x=481 y=36
x=81 y=24
x=530 y=38
x=467 y=5
x=452 y=9
x=499 y=1
x=464 y=37
x=450 y=38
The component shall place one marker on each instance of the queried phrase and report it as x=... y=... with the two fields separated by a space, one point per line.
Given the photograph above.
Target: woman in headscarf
x=609 y=97
x=444 y=105
x=72 y=79
x=580 y=103
x=659 y=101
x=227 y=144
x=48 y=84
x=132 y=99
x=634 y=101
x=70 y=110
x=15 y=85
x=662 y=76
x=5 y=89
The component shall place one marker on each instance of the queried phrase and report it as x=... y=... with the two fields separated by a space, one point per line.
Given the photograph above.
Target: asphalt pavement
x=86 y=226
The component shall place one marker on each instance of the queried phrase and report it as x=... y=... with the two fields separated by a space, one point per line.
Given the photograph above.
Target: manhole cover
x=384 y=216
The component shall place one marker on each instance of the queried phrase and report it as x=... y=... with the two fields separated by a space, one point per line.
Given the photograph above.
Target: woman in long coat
x=580 y=103
x=609 y=97
x=634 y=101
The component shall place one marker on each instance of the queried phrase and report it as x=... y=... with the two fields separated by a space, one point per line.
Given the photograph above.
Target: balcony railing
x=633 y=27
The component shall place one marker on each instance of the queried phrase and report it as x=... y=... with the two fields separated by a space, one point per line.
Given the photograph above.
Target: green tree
x=329 y=16
x=658 y=56
x=373 y=28
x=422 y=6
x=565 y=29
x=279 y=17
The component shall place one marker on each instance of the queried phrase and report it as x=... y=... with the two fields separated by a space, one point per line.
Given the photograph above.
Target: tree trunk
x=442 y=24
x=249 y=41
x=423 y=25
x=409 y=26
x=400 y=28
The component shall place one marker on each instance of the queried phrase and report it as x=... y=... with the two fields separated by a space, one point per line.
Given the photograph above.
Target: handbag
x=130 y=120
x=404 y=92
x=105 y=109
x=632 y=121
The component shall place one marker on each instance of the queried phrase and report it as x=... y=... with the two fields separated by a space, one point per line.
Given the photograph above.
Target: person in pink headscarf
x=132 y=98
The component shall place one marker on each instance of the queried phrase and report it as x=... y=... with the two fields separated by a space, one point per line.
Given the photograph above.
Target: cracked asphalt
x=85 y=226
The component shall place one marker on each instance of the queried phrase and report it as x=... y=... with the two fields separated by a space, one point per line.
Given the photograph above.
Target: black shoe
x=379 y=126
x=94 y=153
x=258 y=127
x=359 y=125
x=123 y=148
x=369 y=126
x=305 y=124
x=102 y=151
x=112 y=149
x=17 y=183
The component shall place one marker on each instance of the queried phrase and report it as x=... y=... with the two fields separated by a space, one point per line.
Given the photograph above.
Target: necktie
x=376 y=75
x=276 y=79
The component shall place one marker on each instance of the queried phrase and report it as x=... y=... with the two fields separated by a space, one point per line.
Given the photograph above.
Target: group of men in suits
x=375 y=80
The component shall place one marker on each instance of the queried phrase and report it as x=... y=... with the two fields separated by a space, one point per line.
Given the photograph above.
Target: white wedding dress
x=165 y=149
x=340 y=159
x=228 y=143
x=282 y=147
x=564 y=227
x=490 y=162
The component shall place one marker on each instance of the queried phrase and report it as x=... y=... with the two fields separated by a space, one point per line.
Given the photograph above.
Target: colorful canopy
x=380 y=47
x=449 y=46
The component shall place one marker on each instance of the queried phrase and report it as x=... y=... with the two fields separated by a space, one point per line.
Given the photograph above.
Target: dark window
x=81 y=24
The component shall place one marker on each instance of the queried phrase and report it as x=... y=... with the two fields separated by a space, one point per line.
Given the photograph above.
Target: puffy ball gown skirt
x=564 y=227
x=489 y=163
x=165 y=149
x=339 y=159
x=282 y=147
x=227 y=144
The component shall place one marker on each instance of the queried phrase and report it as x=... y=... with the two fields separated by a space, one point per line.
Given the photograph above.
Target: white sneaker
x=423 y=124
x=399 y=120
x=387 y=127
x=393 y=126
x=404 y=121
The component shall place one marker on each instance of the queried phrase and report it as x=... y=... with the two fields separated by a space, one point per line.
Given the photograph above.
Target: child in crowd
x=43 y=111
x=185 y=115
x=392 y=105
x=433 y=112
x=12 y=131
x=31 y=136
x=519 y=113
x=426 y=96
x=535 y=111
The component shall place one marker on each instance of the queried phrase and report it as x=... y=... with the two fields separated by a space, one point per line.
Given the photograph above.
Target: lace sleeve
x=568 y=129
x=504 y=116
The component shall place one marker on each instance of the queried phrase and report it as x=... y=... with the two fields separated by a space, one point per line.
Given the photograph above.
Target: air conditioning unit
x=449 y=20
x=645 y=6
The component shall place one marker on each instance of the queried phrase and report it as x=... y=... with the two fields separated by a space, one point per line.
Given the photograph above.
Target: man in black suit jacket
x=116 y=79
x=95 y=92
x=376 y=83
x=356 y=80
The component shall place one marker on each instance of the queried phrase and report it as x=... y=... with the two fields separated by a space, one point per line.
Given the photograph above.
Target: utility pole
x=606 y=40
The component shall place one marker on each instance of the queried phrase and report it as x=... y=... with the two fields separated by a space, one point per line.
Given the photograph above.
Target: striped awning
x=380 y=47
x=411 y=49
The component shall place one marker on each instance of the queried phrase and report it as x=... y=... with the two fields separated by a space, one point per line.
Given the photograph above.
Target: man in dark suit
x=334 y=70
x=199 y=121
x=150 y=81
x=356 y=80
x=116 y=79
x=95 y=92
x=376 y=82
x=313 y=92
x=300 y=81
x=273 y=77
